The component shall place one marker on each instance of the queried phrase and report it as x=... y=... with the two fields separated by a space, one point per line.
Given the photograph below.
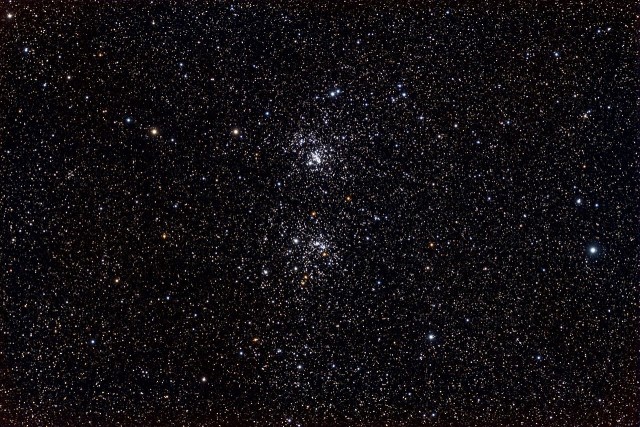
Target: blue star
x=593 y=250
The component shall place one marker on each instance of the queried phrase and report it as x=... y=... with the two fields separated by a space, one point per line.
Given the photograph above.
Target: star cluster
x=318 y=213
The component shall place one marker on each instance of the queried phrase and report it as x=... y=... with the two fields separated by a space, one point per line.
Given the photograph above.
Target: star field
x=318 y=214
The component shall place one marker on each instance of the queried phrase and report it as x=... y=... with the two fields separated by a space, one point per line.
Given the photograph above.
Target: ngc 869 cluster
x=318 y=213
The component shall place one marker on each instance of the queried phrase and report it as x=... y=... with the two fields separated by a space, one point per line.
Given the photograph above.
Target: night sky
x=318 y=214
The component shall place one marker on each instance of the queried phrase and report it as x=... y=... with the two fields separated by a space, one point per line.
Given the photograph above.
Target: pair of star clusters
x=318 y=213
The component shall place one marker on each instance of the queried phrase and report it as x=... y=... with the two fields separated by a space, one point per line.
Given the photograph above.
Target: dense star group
x=318 y=213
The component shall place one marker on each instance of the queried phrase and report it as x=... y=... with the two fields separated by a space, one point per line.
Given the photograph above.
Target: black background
x=445 y=169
